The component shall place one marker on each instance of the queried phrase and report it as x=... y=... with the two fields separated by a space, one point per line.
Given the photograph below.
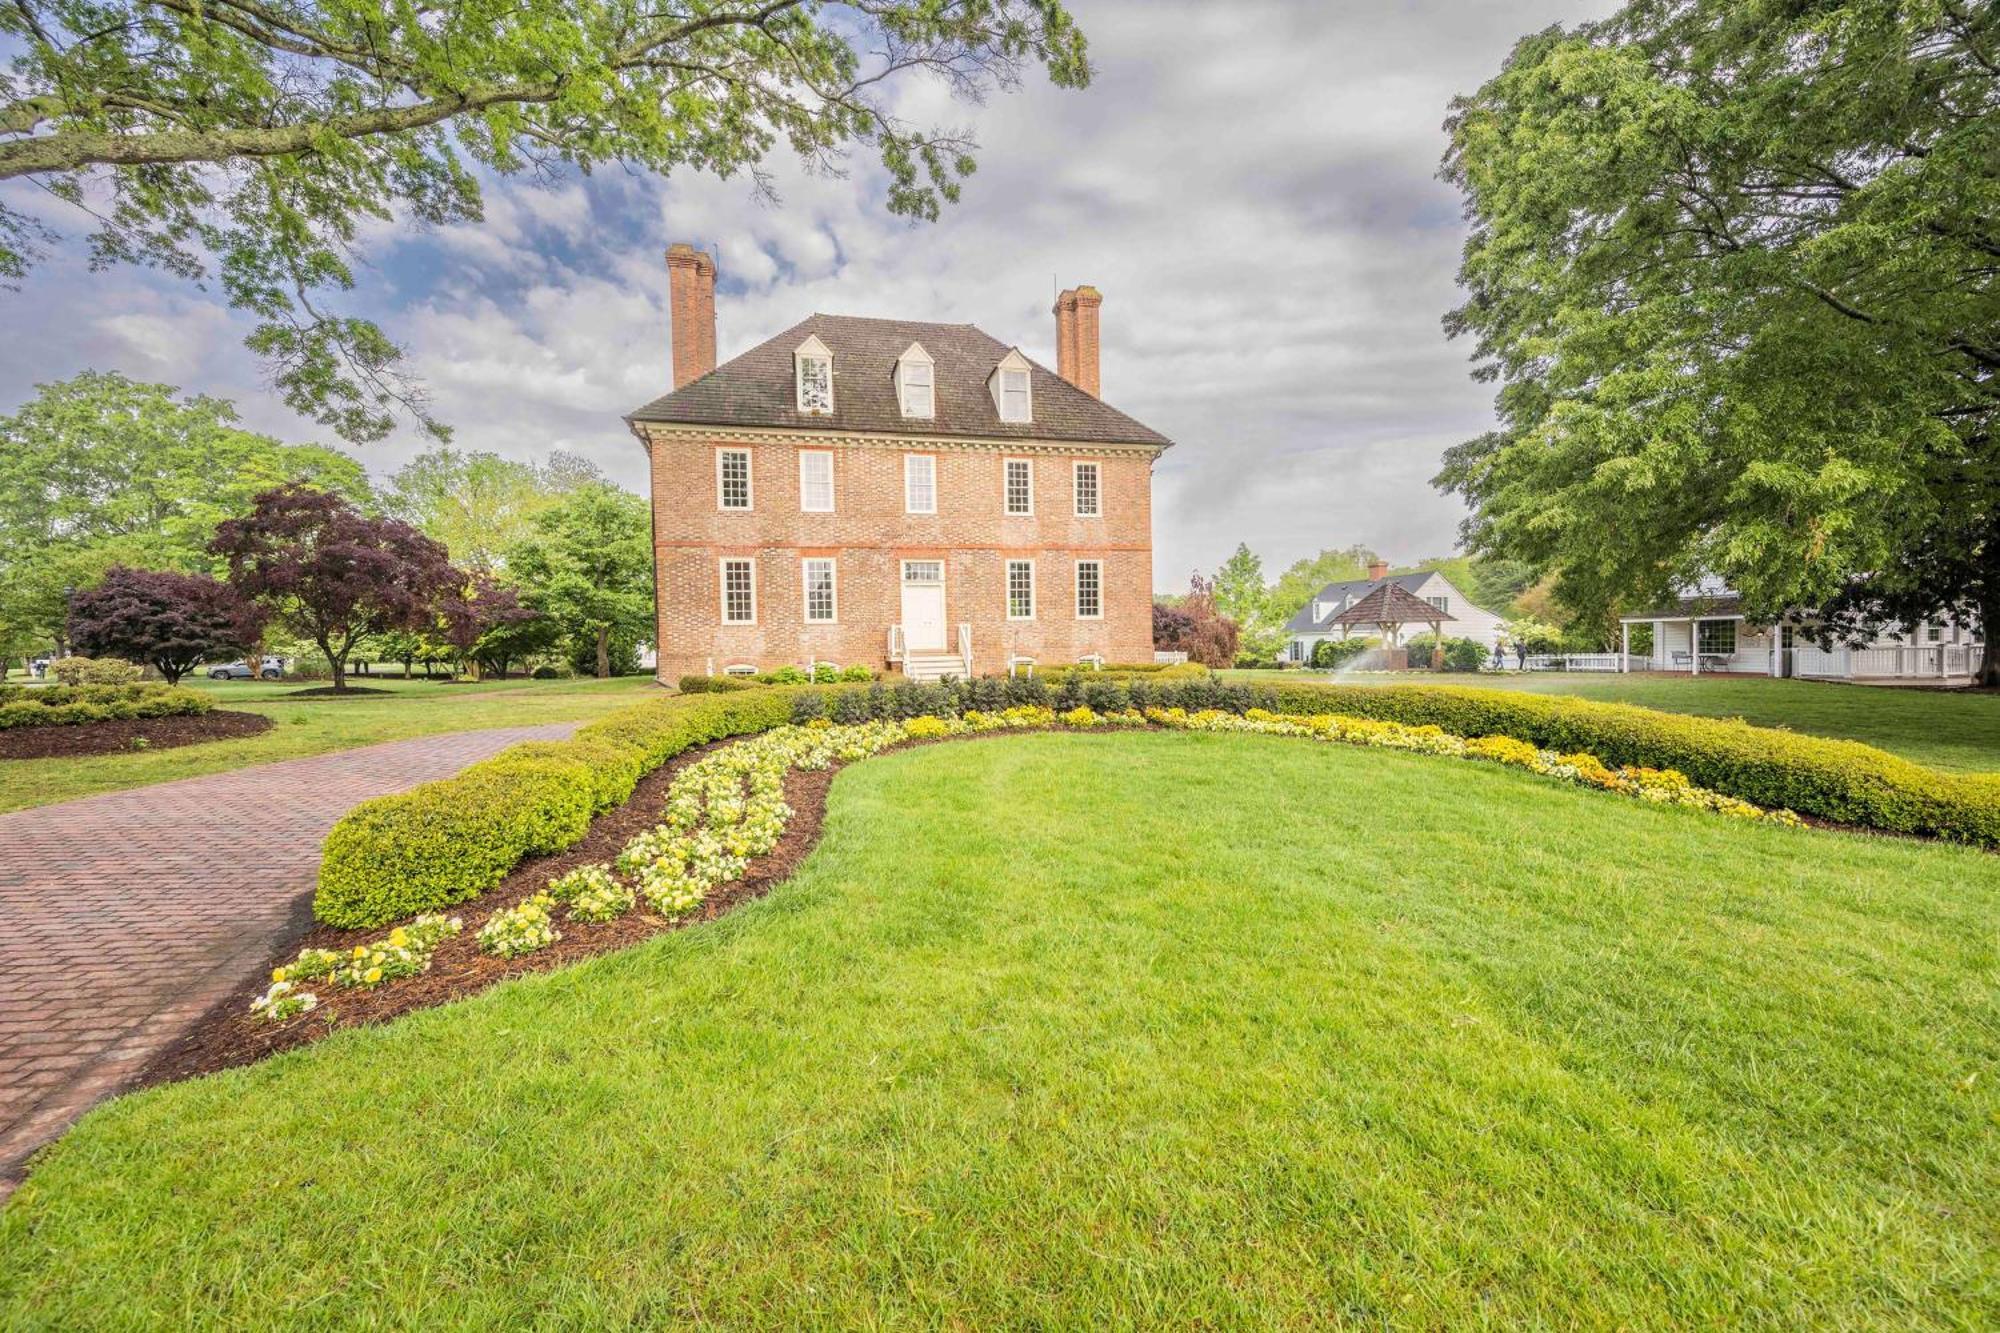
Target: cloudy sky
x=1251 y=185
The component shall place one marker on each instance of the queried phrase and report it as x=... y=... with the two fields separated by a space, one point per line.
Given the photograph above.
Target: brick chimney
x=1378 y=570
x=1076 y=337
x=691 y=308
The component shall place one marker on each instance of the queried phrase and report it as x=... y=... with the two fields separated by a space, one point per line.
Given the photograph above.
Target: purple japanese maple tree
x=481 y=611
x=331 y=573
x=168 y=620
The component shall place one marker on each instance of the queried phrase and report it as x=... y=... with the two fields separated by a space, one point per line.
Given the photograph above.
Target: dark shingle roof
x=756 y=388
x=1706 y=604
x=1390 y=604
x=1335 y=593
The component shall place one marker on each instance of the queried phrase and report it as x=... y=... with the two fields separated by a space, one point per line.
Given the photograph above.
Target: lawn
x=317 y=725
x=1206 y=1031
x=1943 y=728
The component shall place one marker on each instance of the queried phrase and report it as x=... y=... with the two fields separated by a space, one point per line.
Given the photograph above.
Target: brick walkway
x=123 y=917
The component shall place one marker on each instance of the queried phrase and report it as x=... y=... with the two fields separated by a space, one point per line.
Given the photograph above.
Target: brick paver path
x=123 y=917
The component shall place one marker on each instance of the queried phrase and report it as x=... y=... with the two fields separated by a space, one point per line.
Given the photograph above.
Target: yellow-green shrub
x=1843 y=781
x=447 y=841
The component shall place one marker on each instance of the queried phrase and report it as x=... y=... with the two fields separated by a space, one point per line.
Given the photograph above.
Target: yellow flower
x=373 y=975
x=360 y=951
x=277 y=974
x=398 y=938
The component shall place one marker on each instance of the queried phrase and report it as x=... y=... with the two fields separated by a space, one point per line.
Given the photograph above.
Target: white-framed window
x=1090 y=590
x=1020 y=590
x=927 y=572
x=732 y=478
x=1014 y=403
x=920 y=483
x=916 y=391
x=739 y=591
x=816 y=481
x=812 y=364
x=1717 y=637
x=822 y=602
x=740 y=669
x=1934 y=633
x=1089 y=487
x=1020 y=486
x=1013 y=397
x=1441 y=603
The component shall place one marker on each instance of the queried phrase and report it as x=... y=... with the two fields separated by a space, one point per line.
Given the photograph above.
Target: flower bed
x=729 y=807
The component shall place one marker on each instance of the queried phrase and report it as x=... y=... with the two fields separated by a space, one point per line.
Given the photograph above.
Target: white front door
x=923 y=606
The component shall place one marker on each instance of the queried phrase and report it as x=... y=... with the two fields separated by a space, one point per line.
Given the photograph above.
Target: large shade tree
x=255 y=139
x=171 y=621
x=479 y=503
x=330 y=573
x=1733 y=263
x=101 y=470
x=590 y=567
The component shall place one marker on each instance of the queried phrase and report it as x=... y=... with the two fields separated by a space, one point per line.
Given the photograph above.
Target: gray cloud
x=1250 y=184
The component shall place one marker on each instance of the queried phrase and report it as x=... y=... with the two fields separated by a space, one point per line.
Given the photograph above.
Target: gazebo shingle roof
x=1391 y=604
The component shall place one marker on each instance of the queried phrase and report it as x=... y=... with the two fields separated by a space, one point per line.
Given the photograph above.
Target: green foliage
x=1842 y=781
x=94 y=671
x=716 y=684
x=1331 y=653
x=1241 y=595
x=1296 y=586
x=65 y=705
x=480 y=504
x=610 y=769
x=1732 y=262
x=100 y=470
x=261 y=141
x=589 y=567
x=1459 y=654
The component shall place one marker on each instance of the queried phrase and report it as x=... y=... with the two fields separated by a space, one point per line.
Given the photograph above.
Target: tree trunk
x=603 y=651
x=338 y=661
x=1989 y=657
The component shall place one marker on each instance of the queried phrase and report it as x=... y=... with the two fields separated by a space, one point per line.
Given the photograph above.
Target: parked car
x=271 y=669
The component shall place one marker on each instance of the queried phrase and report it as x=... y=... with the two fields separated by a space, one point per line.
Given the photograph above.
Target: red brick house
x=911 y=497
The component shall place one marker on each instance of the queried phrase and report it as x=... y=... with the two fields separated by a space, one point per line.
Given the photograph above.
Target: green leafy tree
x=479 y=504
x=258 y=137
x=1241 y=595
x=1733 y=263
x=1296 y=586
x=101 y=470
x=590 y=568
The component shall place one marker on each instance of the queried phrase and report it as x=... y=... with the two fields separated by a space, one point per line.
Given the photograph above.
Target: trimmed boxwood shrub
x=1843 y=781
x=74 y=705
x=715 y=684
x=441 y=843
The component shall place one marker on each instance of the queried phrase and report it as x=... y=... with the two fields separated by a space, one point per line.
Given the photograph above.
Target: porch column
x=1694 y=647
x=1624 y=644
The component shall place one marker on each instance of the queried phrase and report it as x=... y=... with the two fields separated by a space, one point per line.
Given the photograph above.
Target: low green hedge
x=74 y=705
x=1843 y=781
x=447 y=841
x=716 y=684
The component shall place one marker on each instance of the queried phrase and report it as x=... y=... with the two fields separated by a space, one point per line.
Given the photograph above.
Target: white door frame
x=911 y=642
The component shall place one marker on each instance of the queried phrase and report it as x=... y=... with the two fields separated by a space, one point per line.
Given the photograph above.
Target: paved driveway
x=123 y=917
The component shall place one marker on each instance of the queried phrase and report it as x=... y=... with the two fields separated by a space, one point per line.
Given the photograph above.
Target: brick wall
x=868 y=535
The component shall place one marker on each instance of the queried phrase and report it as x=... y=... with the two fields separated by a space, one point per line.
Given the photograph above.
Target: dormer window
x=813 y=364
x=1012 y=397
x=916 y=383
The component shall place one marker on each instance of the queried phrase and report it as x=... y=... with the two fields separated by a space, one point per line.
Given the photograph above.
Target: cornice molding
x=648 y=431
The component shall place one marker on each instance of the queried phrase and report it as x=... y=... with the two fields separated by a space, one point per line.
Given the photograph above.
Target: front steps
x=925 y=668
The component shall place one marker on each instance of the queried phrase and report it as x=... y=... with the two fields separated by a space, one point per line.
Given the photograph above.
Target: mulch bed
x=118 y=736
x=227 y=1035
x=328 y=692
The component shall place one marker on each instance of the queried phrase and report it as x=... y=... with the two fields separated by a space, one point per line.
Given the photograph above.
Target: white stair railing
x=965 y=649
x=895 y=643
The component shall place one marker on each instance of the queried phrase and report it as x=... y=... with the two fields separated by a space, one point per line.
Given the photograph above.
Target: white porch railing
x=965 y=648
x=895 y=643
x=1573 y=662
x=1899 y=662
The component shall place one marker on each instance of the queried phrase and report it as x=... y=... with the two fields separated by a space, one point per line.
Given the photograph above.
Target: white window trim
x=1076 y=490
x=908 y=460
x=749 y=481
x=831 y=500
x=833 y=588
x=996 y=382
x=1008 y=590
x=722 y=587
x=1076 y=589
x=740 y=669
x=1006 y=479
x=915 y=355
x=812 y=349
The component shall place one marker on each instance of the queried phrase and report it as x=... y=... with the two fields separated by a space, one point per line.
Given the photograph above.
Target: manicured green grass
x=317 y=725
x=1950 y=729
x=1132 y=1030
